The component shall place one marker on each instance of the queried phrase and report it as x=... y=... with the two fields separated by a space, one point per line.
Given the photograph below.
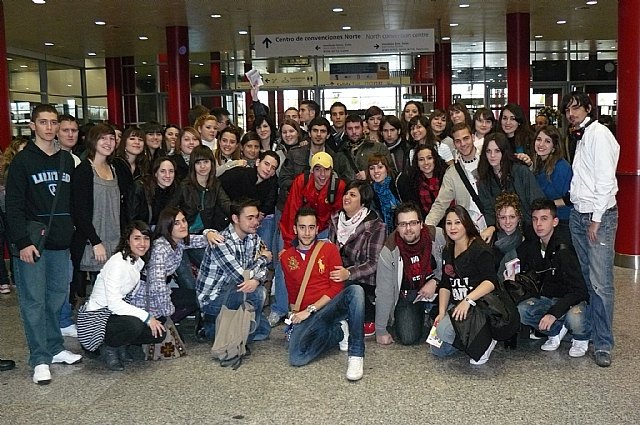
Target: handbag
x=526 y=285
x=172 y=347
x=92 y=326
x=37 y=230
x=232 y=332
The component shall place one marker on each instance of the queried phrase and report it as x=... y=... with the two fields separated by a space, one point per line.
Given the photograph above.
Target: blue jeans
x=184 y=273
x=322 y=331
x=447 y=335
x=280 y=304
x=42 y=289
x=409 y=318
x=576 y=319
x=266 y=231
x=66 y=315
x=233 y=299
x=596 y=261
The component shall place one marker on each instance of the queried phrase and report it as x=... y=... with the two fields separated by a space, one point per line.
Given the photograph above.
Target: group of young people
x=358 y=227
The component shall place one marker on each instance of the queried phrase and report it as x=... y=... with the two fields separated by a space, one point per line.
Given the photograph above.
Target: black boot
x=111 y=358
x=123 y=354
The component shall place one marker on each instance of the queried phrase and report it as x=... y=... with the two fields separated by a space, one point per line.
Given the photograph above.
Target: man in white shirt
x=594 y=218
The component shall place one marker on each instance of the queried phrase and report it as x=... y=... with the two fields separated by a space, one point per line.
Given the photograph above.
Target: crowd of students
x=210 y=207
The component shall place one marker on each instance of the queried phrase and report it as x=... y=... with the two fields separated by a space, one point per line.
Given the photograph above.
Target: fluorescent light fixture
x=216 y=16
x=537 y=36
x=561 y=22
x=463 y=5
x=48 y=43
x=100 y=23
x=91 y=53
x=39 y=1
x=453 y=25
x=337 y=9
x=243 y=32
x=446 y=38
x=346 y=28
x=143 y=37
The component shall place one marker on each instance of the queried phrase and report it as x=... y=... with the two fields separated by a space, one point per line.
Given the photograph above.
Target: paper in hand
x=254 y=77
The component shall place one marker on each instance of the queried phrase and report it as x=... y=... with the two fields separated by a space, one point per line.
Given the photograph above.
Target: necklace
x=470 y=160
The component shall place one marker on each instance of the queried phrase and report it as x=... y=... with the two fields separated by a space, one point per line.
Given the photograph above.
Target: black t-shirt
x=464 y=273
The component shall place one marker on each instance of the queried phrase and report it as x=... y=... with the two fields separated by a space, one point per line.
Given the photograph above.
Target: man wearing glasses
x=406 y=283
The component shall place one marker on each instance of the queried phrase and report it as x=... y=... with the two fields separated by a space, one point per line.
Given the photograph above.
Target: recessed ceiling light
x=453 y=25
x=100 y=23
x=243 y=32
x=592 y=2
x=613 y=47
x=216 y=15
x=446 y=38
x=144 y=62
x=143 y=37
x=39 y=1
x=23 y=66
x=544 y=58
x=223 y=71
x=337 y=9
x=197 y=76
x=48 y=43
x=91 y=53
x=346 y=28
x=561 y=22
x=201 y=64
x=68 y=85
x=148 y=75
x=9 y=59
x=537 y=36
x=463 y=5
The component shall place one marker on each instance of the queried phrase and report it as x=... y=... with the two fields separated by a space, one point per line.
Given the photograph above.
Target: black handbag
x=526 y=285
x=37 y=230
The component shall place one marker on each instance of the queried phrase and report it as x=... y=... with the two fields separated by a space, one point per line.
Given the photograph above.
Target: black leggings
x=128 y=330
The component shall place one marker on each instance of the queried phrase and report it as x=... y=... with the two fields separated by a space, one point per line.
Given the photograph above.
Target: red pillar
x=129 y=90
x=216 y=77
x=628 y=134
x=114 y=90
x=179 y=99
x=280 y=106
x=443 y=75
x=518 y=69
x=5 y=123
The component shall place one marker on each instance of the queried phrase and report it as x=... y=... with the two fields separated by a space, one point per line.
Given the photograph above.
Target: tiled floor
x=401 y=384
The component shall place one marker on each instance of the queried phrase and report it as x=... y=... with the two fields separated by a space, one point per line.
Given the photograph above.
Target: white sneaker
x=578 y=348
x=70 y=330
x=355 y=368
x=485 y=356
x=553 y=342
x=344 y=344
x=66 y=357
x=41 y=374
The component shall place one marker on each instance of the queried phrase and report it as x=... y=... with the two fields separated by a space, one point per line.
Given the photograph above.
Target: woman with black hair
x=108 y=320
x=360 y=235
x=153 y=193
x=411 y=109
x=130 y=163
x=250 y=148
x=498 y=172
x=170 y=239
x=393 y=137
x=484 y=123
x=373 y=117
x=422 y=134
x=268 y=133
x=171 y=136
x=188 y=140
x=421 y=182
x=515 y=125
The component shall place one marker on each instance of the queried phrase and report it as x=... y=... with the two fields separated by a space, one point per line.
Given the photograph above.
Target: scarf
x=388 y=201
x=505 y=243
x=347 y=226
x=428 y=188
x=420 y=249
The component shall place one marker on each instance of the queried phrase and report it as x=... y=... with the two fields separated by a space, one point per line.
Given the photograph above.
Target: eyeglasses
x=405 y=224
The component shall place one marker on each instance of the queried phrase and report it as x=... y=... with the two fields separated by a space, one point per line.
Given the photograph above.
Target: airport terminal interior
x=76 y=55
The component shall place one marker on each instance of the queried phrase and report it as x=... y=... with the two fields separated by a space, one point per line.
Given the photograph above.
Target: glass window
x=24 y=74
x=63 y=80
x=96 y=82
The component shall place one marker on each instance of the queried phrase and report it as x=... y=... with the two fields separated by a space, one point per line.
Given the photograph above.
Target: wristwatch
x=470 y=301
x=311 y=308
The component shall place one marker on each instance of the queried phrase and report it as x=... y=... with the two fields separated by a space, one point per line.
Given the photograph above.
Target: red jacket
x=307 y=195
x=319 y=284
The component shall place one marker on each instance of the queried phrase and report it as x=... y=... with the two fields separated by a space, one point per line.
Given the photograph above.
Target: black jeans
x=128 y=330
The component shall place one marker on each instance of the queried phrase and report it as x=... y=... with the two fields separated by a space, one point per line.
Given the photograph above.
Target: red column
x=280 y=106
x=129 y=90
x=179 y=100
x=628 y=134
x=114 y=90
x=443 y=75
x=518 y=69
x=216 y=77
x=5 y=112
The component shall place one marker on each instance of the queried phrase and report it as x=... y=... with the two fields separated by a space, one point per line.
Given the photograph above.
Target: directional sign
x=345 y=43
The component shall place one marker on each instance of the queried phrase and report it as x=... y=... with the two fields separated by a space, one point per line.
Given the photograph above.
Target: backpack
x=232 y=331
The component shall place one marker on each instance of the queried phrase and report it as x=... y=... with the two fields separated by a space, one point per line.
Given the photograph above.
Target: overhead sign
x=359 y=71
x=345 y=43
x=298 y=80
x=285 y=80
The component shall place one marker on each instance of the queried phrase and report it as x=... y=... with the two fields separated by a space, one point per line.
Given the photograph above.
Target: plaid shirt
x=223 y=265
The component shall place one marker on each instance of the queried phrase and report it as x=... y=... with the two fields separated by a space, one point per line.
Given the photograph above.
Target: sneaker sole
x=42 y=382
x=66 y=363
x=575 y=356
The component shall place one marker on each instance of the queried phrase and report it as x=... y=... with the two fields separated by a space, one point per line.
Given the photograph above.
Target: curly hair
x=508 y=199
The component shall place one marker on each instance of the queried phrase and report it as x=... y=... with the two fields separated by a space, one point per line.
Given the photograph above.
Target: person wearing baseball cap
x=321 y=189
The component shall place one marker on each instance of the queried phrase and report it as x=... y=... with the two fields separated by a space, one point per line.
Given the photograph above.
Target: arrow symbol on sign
x=266 y=42
x=266 y=80
x=377 y=46
x=317 y=47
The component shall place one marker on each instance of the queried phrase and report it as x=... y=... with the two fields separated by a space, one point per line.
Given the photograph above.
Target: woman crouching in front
x=468 y=274
x=108 y=321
